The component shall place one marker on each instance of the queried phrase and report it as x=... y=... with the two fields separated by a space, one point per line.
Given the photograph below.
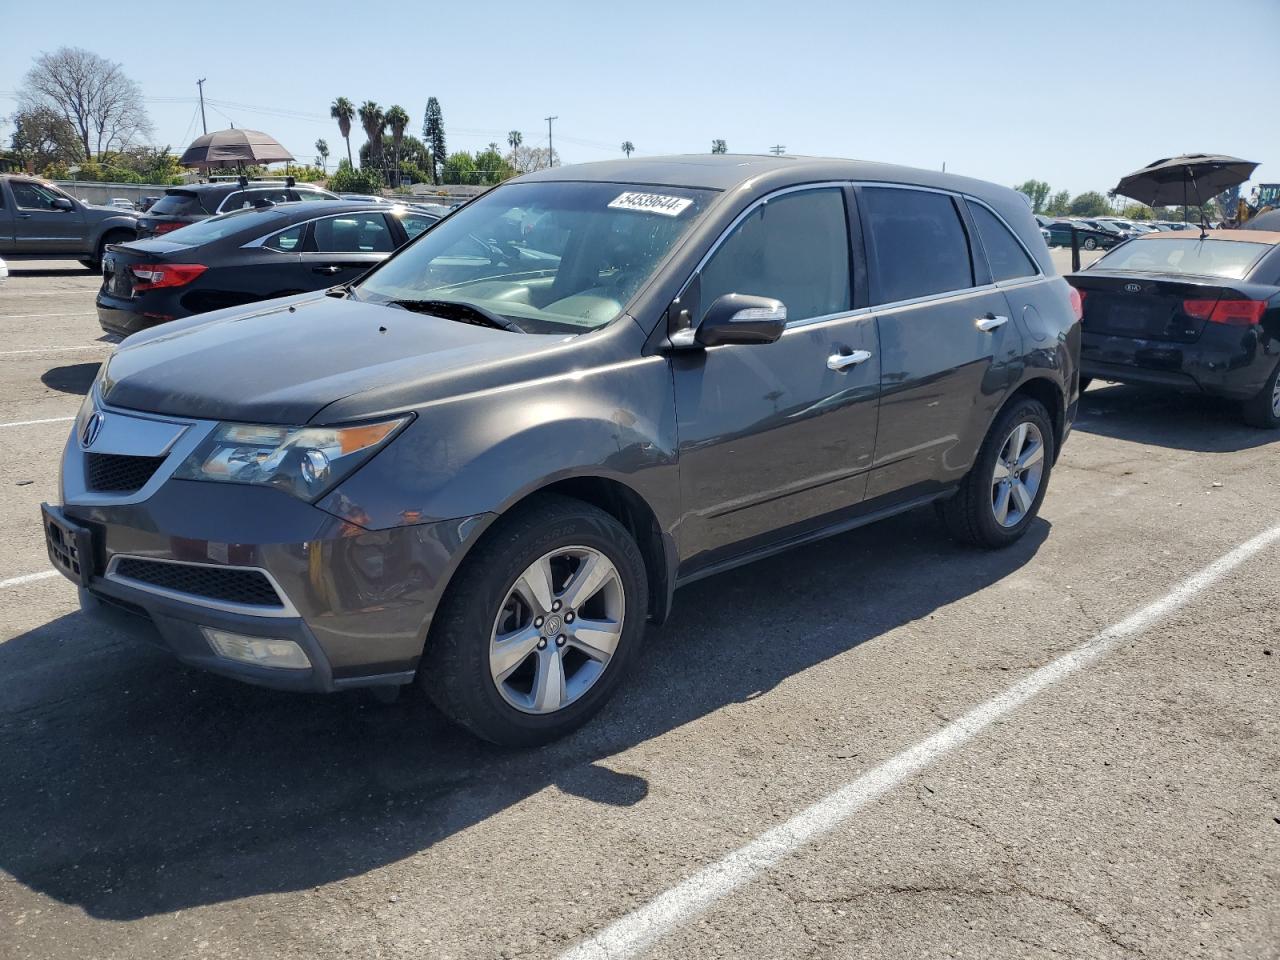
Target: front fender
x=104 y=226
x=483 y=452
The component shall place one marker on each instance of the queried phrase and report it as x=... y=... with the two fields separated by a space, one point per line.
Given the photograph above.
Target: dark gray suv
x=487 y=463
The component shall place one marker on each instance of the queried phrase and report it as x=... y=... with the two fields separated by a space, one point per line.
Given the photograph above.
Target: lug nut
x=568 y=617
x=537 y=621
x=542 y=643
x=560 y=640
x=556 y=605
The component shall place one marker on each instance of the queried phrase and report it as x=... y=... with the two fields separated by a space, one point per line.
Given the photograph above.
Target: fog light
x=261 y=651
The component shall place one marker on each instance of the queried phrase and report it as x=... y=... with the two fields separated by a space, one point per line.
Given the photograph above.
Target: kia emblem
x=92 y=427
x=1133 y=288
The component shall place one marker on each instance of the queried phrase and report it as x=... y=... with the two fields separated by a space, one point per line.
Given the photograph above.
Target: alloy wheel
x=557 y=629
x=1275 y=398
x=1018 y=472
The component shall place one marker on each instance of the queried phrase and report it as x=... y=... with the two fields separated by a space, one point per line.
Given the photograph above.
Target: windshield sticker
x=651 y=203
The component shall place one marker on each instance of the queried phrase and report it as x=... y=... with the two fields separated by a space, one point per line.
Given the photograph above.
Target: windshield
x=553 y=257
x=215 y=228
x=1230 y=259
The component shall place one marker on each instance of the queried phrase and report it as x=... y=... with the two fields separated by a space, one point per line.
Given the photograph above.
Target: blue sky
x=1075 y=93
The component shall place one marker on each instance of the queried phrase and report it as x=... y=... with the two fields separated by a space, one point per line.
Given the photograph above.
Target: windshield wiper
x=346 y=291
x=459 y=311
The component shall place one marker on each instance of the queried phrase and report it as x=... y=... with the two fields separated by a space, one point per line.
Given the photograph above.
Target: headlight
x=303 y=461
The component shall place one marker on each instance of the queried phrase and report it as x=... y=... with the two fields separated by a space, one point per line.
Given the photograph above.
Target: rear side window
x=247 y=199
x=310 y=195
x=1005 y=255
x=415 y=223
x=179 y=205
x=352 y=233
x=920 y=244
x=286 y=241
x=794 y=248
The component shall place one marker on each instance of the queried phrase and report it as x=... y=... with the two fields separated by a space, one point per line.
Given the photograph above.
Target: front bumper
x=1227 y=362
x=358 y=602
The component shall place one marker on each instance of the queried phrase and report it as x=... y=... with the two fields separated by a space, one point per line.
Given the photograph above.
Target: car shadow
x=73 y=378
x=1168 y=418
x=133 y=786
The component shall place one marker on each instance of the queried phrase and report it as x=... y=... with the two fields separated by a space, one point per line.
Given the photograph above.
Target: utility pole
x=203 y=126
x=551 y=150
x=778 y=149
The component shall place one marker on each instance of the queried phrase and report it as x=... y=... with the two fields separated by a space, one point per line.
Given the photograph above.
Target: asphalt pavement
x=883 y=746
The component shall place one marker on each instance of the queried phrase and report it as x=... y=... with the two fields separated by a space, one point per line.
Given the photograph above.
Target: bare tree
x=91 y=93
x=527 y=159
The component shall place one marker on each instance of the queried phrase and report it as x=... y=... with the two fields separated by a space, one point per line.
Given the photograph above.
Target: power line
x=778 y=149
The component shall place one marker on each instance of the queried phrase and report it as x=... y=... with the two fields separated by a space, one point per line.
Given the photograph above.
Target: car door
x=6 y=220
x=948 y=350
x=343 y=246
x=778 y=437
x=42 y=227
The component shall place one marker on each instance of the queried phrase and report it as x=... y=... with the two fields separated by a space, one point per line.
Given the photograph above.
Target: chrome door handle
x=838 y=361
x=330 y=269
x=991 y=322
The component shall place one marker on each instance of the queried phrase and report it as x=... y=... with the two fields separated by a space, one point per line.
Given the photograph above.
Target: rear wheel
x=1263 y=409
x=1090 y=243
x=539 y=625
x=1002 y=493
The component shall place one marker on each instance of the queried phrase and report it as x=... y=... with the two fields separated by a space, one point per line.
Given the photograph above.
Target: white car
x=122 y=202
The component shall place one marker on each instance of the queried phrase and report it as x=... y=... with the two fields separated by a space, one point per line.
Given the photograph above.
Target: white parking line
x=636 y=931
x=87 y=346
x=28 y=578
x=27 y=423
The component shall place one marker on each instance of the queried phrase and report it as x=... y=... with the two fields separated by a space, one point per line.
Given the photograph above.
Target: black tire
x=455 y=670
x=111 y=236
x=1260 y=410
x=969 y=515
x=1089 y=243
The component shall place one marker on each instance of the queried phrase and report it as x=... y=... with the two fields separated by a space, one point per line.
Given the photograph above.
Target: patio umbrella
x=233 y=148
x=1191 y=178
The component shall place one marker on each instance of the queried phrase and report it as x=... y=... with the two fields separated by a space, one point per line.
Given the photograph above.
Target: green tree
x=344 y=112
x=1059 y=204
x=433 y=136
x=1037 y=190
x=628 y=148
x=1137 y=211
x=461 y=168
x=514 y=139
x=322 y=153
x=1089 y=204
x=373 y=121
x=42 y=137
x=397 y=120
x=348 y=179
x=719 y=146
x=492 y=167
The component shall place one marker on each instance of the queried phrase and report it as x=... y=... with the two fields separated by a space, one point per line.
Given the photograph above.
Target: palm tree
x=628 y=147
x=373 y=120
x=342 y=111
x=514 y=139
x=322 y=151
x=397 y=120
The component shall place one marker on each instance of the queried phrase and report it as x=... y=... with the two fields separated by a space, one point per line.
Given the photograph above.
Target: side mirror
x=739 y=318
x=62 y=203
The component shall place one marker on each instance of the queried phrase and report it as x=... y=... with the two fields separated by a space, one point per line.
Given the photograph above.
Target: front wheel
x=1090 y=243
x=1002 y=492
x=1263 y=409
x=540 y=624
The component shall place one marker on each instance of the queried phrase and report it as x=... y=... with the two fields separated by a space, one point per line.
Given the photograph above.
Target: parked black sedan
x=246 y=256
x=1091 y=238
x=1196 y=312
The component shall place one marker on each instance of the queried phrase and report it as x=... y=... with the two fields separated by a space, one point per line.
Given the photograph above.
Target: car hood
x=286 y=362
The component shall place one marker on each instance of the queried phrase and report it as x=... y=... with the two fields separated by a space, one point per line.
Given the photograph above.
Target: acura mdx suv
x=488 y=462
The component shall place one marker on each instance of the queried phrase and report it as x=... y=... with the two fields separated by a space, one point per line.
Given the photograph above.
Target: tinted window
x=179 y=204
x=794 y=248
x=1205 y=258
x=920 y=244
x=415 y=223
x=1005 y=255
x=247 y=199
x=33 y=196
x=312 y=195
x=352 y=233
x=215 y=228
x=286 y=240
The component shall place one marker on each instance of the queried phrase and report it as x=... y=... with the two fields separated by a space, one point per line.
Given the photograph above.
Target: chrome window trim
x=888 y=305
x=286 y=609
x=261 y=241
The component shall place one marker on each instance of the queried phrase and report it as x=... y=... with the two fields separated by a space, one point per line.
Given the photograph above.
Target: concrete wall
x=103 y=192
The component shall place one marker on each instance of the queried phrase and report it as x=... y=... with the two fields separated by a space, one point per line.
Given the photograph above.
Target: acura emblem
x=92 y=427
x=1133 y=288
